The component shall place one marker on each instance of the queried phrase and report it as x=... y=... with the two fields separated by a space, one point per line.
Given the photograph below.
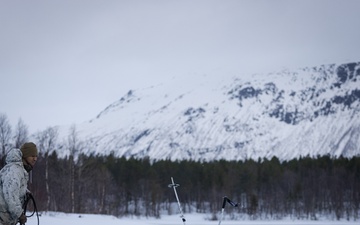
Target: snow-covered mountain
x=309 y=111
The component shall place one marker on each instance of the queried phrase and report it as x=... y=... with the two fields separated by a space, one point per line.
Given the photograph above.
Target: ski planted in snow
x=174 y=186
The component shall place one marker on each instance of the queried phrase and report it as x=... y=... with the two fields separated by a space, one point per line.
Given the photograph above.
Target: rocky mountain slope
x=309 y=111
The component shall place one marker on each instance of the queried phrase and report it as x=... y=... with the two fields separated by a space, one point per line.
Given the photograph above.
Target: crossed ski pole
x=174 y=186
x=226 y=200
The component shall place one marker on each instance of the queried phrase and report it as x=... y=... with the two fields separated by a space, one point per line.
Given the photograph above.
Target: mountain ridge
x=291 y=113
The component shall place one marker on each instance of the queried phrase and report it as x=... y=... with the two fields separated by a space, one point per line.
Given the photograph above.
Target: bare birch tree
x=47 y=144
x=21 y=133
x=74 y=146
x=5 y=136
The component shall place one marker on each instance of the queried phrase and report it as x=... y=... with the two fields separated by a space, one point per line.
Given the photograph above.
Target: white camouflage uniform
x=13 y=186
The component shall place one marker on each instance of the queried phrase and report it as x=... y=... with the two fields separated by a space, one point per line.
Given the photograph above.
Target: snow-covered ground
x=55 y=218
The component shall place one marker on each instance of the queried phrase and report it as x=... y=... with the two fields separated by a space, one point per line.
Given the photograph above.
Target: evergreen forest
x=304 y=188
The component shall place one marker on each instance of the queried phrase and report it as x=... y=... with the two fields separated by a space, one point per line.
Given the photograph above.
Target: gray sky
x=63 y=61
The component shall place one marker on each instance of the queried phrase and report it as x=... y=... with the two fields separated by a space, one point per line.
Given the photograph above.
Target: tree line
x=303 y=188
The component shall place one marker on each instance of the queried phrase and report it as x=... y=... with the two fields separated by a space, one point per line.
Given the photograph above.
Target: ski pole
x=226 y=199
x=174 y=186
x=231 y=202
x=222 y=210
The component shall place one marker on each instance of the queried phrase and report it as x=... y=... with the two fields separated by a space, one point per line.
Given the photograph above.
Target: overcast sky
x=64 y=61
